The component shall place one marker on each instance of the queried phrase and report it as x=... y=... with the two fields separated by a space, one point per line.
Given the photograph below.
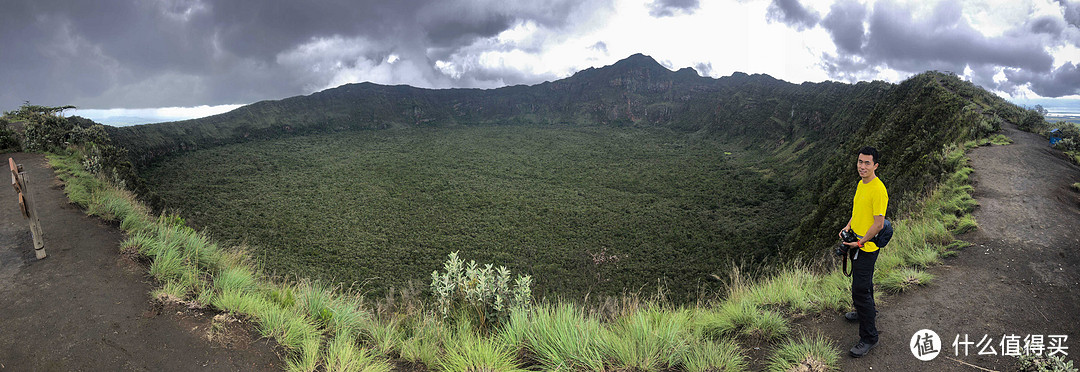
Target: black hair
x=870 y=151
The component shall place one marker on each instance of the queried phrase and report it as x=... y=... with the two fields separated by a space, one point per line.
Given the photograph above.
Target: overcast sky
x=202 y=56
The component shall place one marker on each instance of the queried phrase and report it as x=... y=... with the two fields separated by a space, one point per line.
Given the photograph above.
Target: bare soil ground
x=87 y=308
x=1021 y=276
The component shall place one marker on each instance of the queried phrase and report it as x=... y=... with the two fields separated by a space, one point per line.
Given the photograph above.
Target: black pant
x=862 y=294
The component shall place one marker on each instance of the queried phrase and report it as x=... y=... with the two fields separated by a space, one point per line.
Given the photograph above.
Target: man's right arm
x=848 y=227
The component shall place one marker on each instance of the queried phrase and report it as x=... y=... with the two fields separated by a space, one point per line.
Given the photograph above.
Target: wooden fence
x=20 y=182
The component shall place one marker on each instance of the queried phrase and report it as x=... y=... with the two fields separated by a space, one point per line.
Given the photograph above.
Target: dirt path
x=1021 y=276
x=87 y=308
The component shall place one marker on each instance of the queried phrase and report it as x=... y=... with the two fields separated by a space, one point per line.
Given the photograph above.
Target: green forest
x=588 y=198
x=596 y=210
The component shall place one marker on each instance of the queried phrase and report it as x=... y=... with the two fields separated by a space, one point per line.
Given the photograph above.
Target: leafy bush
x=1044 y=363
x=1069 y=134
x=988 y=124
x=481 y=291
x=9 y=140
x=1066 y=144
x=1032 y=121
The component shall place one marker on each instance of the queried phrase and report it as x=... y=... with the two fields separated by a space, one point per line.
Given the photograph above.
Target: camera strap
x=850 y=257
x=846 y=271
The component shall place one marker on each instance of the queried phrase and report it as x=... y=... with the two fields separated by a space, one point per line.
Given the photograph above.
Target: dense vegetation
x=510 y=173
x=321 y=328
x=590 y=209
x=37 y=128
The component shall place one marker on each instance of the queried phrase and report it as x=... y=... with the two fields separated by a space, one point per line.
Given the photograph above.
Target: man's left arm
x=879 y=223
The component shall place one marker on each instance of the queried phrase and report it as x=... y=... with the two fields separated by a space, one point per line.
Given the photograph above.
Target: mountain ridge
x=811 y=128
x=634 y=91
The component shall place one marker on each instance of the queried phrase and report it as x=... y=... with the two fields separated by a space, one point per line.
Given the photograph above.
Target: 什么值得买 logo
x=925 y=345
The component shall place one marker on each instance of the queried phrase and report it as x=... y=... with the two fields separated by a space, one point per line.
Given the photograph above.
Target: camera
x=847 y=236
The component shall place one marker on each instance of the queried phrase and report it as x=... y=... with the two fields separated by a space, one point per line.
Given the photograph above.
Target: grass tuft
x=342 y=354
x=235 y=279
x=468 y=351
x=561 y=337
x=709 y=356
x=901 y=280
x=742 y=318
x=649 y=339
x=805 y=354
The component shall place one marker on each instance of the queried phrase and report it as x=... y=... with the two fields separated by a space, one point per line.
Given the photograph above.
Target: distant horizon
x=120 y=117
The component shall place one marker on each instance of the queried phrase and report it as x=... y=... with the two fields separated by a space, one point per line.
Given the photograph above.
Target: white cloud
x=122 y=116
x=724 y=36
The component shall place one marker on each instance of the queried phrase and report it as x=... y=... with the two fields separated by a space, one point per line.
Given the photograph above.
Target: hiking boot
x=854 y=316
x=861 y=349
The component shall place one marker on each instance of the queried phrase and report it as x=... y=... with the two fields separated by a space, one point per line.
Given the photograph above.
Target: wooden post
x=21 y=183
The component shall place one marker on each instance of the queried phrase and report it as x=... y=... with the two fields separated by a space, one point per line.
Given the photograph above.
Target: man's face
x=866 y=165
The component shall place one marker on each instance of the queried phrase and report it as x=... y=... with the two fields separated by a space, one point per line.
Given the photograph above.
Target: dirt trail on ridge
x=1021 y=276
x=87 y=308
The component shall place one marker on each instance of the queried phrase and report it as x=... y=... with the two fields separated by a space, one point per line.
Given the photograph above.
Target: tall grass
x=812 y=353
x=705 y=355
x=650 y=339
x=560 y=337
x=327 y=328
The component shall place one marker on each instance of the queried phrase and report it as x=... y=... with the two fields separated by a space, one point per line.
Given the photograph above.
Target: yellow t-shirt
x=871 y=199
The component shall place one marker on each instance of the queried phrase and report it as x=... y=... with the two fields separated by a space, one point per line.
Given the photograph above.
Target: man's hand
x=852 y=244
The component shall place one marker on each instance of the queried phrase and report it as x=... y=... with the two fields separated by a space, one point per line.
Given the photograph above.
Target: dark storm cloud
x=891 y=37
x=668 y=8
x=1072 y=12
x=1064 y=80
x=1047 y=25
x=845 y=25
x=100 y=54
x=600 y=46
x=704 y=68
x=792 y=13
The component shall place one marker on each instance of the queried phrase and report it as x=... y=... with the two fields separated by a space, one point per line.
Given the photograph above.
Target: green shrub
x=1067 y=145
x=1044 y=363
x=1032 y=121
x=482 y=292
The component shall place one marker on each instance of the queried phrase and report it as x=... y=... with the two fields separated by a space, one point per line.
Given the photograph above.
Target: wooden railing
x=20 y=182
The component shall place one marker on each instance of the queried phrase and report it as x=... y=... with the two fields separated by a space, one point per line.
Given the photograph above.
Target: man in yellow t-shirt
x=867 y=219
